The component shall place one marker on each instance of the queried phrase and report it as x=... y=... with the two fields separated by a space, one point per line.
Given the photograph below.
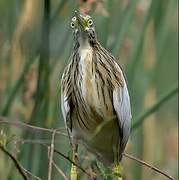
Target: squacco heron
x=94 y=98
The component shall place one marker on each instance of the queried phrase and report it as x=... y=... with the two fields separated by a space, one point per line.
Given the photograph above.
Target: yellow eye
x=90 y=22
x=74 y=18
x=72 y=25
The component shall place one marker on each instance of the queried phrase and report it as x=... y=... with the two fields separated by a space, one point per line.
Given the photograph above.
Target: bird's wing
x=65 y=101
x=121 y=103
x=64 y=107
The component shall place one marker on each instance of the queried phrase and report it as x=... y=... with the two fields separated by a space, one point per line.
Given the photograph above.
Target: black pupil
x=90 y=22
x=72 y=24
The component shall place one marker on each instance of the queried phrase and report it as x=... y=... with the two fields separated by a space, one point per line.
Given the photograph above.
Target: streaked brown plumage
x=95 y=101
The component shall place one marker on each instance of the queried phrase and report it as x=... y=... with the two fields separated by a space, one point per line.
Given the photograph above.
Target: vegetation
x=35 y=44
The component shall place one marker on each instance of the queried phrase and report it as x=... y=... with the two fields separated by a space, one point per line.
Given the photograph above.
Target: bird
x=95 y=101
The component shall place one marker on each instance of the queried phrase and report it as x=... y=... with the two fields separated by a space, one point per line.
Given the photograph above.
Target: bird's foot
x=117 y=170
x=73 y=173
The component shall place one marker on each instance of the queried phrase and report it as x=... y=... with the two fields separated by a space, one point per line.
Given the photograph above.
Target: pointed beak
x=80 y=20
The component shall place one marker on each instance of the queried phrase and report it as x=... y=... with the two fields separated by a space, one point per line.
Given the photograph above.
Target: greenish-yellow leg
x=117 y=167
x=73 y=173
x=117 y=170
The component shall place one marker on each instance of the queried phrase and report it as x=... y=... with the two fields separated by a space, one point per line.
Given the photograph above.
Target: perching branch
x=164 y=98
x=124 y=154
x=56 y=151
x=147 y=165
x=30 y=174
x=59 y=171
x=17 y=164
x=67 y=158
x=50 y=154
x=4 y=120
x=54 y=131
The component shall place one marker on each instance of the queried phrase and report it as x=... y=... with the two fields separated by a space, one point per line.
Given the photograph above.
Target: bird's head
x=83 y=28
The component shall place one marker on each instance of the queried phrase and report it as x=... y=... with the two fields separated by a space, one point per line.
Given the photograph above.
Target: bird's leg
x=73 y=173
x=117 y=167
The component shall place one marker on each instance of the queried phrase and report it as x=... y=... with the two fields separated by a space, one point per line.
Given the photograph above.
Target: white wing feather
x=64 y=107
x=64 y=104
x=121 y=102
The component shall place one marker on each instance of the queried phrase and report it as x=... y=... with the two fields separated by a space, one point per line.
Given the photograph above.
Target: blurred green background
x=35 y=45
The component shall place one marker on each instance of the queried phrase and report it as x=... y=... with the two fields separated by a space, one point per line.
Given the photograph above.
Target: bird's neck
x=85 y=51
x=83 y=42
x=86 y=59
x=85 y=48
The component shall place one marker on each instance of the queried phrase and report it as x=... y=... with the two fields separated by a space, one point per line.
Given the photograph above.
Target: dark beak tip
x=76 y=13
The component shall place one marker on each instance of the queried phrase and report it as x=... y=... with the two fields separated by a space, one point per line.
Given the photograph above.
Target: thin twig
x=30 y=174
x=124 y=154
x=5 y=120
x=32 y=141
x=51 y=156
x=148 y=165
x=17 y=164
x=55 y=131
x=67 y=158
x=58 y=152
x=59 y=171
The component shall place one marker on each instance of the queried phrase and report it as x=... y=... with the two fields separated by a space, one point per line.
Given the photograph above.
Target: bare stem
x=30 y=174
x=5 y=120
x=52 y=149
x=51 y=156
x=56 y=151
x=67 y=158
x=60 y=171
x=147 y=165
x=17 y=164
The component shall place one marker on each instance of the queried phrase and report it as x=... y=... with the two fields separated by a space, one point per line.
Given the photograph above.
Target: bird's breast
x=87 y=80
x=95 y=96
